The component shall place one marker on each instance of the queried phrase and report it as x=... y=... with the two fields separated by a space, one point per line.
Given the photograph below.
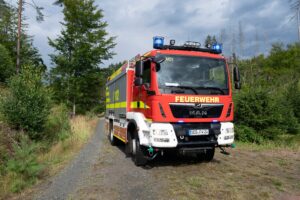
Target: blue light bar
x=158 y=42
x=217 y=47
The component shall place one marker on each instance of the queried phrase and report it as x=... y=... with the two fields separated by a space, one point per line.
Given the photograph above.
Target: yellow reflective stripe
x=117 y=105
x=143 y=105
x=116 y=73
x=119 y=138
x=149 y=120
x=134 y=104
x=109 y=105
x=123 y=104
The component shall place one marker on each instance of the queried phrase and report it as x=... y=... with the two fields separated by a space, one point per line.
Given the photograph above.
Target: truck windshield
x=192 y=75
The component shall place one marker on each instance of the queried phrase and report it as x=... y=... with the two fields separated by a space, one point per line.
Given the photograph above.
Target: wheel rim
x=133 y=146
x=111 y=135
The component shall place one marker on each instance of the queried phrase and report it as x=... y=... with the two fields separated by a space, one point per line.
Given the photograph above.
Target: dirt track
x=104 y=172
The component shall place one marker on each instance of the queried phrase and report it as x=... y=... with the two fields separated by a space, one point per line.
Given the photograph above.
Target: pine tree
x=210 y=40
x=8 y=37
x=81 y=47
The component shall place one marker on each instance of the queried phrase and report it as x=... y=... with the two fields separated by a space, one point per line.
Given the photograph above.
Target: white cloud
x=135 y=22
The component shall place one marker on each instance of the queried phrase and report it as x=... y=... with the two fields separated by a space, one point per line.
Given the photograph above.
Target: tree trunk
x=74 y=107
x=19 y=35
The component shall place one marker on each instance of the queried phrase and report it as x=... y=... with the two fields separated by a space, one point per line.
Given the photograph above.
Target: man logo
x=198 y=113
x=198 y=105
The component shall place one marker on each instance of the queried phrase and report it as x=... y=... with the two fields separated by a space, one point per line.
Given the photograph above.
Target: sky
x=135 y=22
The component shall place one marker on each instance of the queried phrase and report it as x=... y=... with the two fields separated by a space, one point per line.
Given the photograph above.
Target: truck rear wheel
x=137 y=152
x=111 y=136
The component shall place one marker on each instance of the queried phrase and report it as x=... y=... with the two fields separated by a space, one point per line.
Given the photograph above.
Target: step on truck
x=172 y=98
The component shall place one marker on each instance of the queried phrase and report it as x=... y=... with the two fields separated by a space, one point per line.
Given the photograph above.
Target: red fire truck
x=172 y=98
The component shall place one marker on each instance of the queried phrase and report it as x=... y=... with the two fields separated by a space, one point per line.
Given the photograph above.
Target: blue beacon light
x=158 y=42
x=217 y=47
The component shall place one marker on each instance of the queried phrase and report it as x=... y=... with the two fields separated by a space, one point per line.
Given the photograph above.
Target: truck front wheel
x=208 y=155
x=111 y=136
x=137 y=152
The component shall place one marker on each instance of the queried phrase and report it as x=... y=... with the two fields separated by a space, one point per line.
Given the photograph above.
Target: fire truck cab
x=172 y=98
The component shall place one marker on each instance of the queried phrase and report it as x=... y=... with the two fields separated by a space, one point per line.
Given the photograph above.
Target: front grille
x=196 y=110
x=182 y=130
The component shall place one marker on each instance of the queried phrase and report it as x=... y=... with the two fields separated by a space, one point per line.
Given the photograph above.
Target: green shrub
x=247 y=134
x=256 y=108
x=267 y=112
x=285 y=108
x=28 y=104
x=58 y=124
x=293 y=97
x=24 y=165
x=271 y=133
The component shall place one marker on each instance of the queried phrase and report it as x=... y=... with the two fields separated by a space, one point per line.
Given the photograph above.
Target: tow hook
x=223 y=151
x=150 y=151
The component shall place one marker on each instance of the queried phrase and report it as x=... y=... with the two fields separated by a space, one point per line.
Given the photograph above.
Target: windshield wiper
x=194 y=89
x=184 y=87
x=189 y=88
x=210 y=88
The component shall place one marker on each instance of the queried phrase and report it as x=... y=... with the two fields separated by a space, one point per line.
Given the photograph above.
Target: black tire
x=111 y=136
x=128 y=146
x=138 y=156
x=209 y=154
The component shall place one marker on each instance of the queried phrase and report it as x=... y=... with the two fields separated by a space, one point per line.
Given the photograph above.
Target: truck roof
x=183 y=52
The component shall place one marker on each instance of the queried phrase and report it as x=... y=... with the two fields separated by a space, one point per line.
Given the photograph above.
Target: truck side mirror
x=236 y=74
x=139 y=68
x=237 y=85
x=237 y=78
x=138 y=81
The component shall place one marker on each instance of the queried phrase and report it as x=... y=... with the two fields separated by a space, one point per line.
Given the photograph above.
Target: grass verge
x=285 y=142
x=53 y=159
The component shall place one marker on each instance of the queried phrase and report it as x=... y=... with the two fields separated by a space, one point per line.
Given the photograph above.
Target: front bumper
x=167 y=135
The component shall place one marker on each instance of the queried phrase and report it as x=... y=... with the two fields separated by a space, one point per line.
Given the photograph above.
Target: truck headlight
x=229 y=130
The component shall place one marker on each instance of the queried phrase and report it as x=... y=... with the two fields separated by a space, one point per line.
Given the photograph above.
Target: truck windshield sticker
x=169 y=59
x=172 y=84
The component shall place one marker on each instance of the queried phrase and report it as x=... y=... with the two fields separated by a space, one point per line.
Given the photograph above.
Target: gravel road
x=101 y=171
x=65 y=183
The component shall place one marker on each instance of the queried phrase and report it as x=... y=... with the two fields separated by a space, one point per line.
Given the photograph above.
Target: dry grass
x=58 y=156
x=61 y=153
x=245 y=174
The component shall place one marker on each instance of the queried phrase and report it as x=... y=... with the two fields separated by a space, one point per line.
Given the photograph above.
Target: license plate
x=197 y=132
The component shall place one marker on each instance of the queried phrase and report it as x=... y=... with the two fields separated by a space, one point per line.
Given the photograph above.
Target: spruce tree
x=81 y=47
x=8 y=37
